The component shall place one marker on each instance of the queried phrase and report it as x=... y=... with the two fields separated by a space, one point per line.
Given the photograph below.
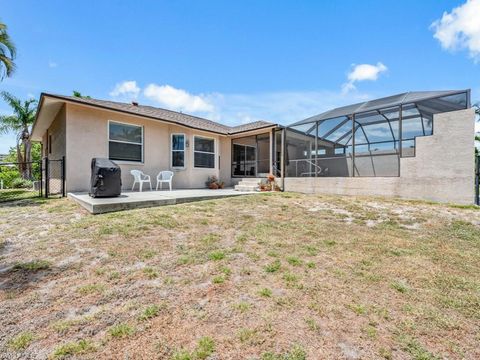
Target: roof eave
x=81 y=103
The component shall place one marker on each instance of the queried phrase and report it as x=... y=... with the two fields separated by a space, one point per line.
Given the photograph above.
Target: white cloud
x=278 y=107
x=126 y=89
x=52 y=64
x=460 y=29
x=177 y=99
x=363 y=72
x=282 y=107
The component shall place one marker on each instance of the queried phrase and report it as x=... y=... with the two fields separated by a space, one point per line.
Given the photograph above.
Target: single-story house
x=149 y=139
x=415 y=145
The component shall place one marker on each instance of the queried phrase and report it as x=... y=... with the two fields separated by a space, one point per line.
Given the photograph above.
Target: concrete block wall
x=442 y=170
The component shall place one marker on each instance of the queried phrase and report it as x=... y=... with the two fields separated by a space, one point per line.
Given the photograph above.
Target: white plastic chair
x=164 y=177
x=140 y=178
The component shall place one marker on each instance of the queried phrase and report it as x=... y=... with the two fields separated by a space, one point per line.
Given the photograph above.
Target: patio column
x=271 y=138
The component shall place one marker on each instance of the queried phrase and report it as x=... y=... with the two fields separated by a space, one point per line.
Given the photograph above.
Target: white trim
x=184 y=151
x=125 y=162
x=205 y=152
x=126 y=142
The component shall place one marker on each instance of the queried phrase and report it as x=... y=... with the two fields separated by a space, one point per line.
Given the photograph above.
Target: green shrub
x=8 y=175
x=20 y=183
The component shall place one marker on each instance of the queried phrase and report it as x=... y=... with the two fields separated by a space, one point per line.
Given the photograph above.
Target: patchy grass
x=271 y=276
x=17 y=194
x=21 y=341
x=216 y=255
x=273 y=266
x=121 y=330
x=149 y=312
x=296 y=353
x=90 y=289
x=242 y=306
x=265 y=292
x=294 y=261
x=73 y=348
x=218 y=279
x=417 y=351
x=34 y=265
x=150 y=273
x=400 y=286
x=204 y=348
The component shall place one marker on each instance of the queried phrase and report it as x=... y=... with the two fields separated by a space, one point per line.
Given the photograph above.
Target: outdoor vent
x=134 y=103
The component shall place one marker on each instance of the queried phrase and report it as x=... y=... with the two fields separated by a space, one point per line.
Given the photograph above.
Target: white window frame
x=125 y=142
x=205 y=152
x=184 y=151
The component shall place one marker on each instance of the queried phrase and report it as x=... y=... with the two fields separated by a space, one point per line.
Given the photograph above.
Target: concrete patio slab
x=133 y=200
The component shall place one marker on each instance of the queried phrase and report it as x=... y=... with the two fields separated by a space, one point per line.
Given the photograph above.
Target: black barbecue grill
x=106 y=178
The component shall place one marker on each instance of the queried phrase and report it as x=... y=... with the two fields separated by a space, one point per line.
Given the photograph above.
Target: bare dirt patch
x=270 y=276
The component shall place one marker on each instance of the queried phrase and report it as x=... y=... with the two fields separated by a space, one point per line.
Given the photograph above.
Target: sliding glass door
x=244 y=160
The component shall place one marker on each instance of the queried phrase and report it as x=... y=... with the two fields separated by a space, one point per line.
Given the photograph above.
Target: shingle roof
x=389 y=101
x=166 y=115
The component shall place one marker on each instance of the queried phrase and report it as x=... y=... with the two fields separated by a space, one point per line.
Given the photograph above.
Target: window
x=178 y=150
x=125 y=142
x=203 y=152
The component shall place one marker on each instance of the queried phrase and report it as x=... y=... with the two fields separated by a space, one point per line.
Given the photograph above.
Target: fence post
x=40 y=163
x=477 y=180
x=63 y=175
x=47 y=177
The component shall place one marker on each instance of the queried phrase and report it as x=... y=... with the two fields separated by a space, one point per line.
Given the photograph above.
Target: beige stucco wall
x=442 y=170
x=87 y=137
x=225 y=161
x=56 y=132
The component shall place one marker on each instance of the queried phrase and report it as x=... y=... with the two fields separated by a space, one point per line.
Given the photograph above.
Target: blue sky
x=241 y=61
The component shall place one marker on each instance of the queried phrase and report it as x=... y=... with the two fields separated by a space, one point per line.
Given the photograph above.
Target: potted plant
x=213 y=183
x=271 y=182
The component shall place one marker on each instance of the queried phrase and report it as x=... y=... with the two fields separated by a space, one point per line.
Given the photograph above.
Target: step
x=246 y=187
x=249 y=183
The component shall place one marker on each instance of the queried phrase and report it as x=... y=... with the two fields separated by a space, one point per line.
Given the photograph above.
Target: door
x=243 y=160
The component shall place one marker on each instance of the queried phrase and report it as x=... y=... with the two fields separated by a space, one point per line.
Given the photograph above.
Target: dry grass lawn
x=268 y=276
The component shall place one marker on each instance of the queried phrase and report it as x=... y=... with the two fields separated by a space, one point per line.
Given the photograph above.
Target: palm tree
x=7 y=53
x=20 y=122
x=79 y=95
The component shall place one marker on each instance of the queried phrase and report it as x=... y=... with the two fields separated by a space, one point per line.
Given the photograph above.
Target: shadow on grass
x=20 y=276
x=33 y=200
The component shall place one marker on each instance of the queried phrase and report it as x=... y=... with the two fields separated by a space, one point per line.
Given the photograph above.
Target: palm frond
x=23 y=115
x=9 y=123
x=7 y=67
x=8 y=53
x=7 y=44
x=12 y=101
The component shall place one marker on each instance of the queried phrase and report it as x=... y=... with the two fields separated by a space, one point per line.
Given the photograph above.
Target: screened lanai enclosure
x=366 y=139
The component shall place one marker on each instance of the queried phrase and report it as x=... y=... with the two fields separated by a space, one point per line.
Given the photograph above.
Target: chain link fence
x=24 y=180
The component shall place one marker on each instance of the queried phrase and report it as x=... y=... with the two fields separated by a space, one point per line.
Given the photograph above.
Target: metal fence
x=23 y=180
